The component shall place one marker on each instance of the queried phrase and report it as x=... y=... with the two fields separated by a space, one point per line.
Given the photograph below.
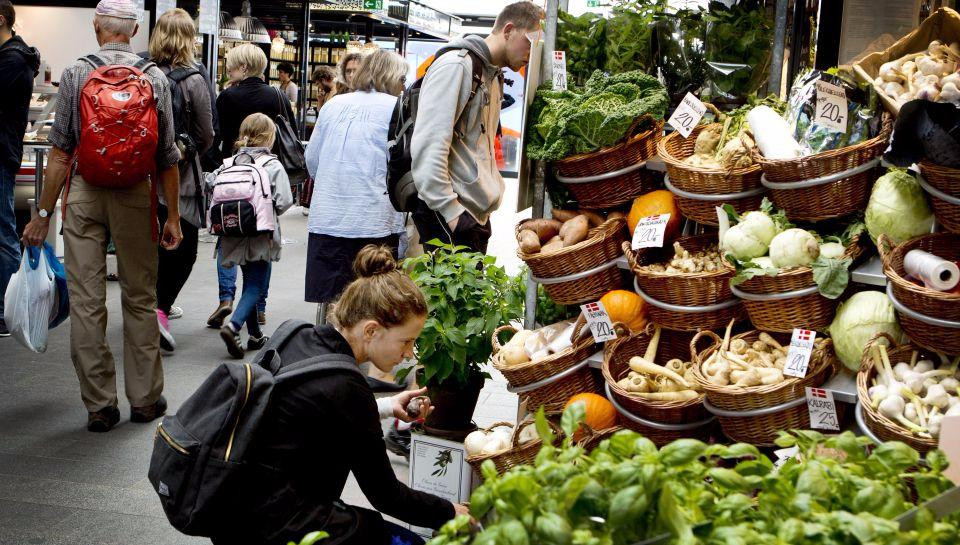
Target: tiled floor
x=60 y=484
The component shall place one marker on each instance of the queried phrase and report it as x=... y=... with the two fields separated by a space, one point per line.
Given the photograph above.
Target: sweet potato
x=563 y=215
x=529 y=241
x=544 y=228
x=554 y=244
x=574 y=230
x=594 y=218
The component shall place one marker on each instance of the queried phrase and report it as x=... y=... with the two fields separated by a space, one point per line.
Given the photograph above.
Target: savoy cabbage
x=565 y=123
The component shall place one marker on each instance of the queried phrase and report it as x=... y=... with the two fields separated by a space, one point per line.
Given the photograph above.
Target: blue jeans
x=256 y=276
x=9 y=243
x=227 y=278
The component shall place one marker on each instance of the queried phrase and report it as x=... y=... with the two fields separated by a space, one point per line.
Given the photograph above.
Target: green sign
x=593 y=3
x=372 y=4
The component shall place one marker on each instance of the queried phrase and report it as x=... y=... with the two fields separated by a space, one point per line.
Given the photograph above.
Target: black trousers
x=174 y=266
x=468 y=233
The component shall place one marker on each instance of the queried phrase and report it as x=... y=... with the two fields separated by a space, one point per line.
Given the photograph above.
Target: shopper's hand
x=171 y=234
x=461 y=509
x=401 y=400
x=36 y=231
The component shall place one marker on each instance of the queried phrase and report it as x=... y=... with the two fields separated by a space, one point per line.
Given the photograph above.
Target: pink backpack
x=241 y=203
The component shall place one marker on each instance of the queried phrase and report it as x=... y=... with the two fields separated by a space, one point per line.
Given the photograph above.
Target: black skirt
x=330 y=264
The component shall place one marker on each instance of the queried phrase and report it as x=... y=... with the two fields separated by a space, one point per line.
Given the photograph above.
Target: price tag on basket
x=650 y=232
x=831 y=110
x=687 y=115
x=559 y=70
x=798 y=355
x=823 y=410
x=598 y=321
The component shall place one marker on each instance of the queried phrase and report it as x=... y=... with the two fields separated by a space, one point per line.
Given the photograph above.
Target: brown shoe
x=215 y=321
x=150 y=412
x=103 y=420
x=262 y=317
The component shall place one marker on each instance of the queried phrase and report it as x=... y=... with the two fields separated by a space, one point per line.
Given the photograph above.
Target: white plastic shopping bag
x=30 y=298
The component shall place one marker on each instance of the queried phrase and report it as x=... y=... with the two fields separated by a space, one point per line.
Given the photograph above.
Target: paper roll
x=936 y=273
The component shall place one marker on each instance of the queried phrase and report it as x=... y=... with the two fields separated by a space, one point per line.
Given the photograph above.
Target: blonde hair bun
x=373 y=261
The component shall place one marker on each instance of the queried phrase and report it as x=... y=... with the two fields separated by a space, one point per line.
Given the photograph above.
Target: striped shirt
x=65 y=132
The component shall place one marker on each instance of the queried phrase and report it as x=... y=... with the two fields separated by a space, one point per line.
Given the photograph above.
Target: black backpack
x=199 y=460
x=181 y=127
x=400 y=185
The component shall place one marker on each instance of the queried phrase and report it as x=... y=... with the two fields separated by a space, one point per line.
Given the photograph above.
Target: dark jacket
x=316 y=431
x=249 y=96
x=19 y=64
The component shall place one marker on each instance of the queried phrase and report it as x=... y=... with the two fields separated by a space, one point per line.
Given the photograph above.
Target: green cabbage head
x=858 y=319
x=898 y=208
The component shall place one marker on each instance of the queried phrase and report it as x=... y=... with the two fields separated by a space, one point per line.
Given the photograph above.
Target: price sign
x=599 y=322
x=822 y=409
x=687 y=115
x=831 y=110
x=798 y=355
x=650 y=232
x=559 y=71
x=784 y=455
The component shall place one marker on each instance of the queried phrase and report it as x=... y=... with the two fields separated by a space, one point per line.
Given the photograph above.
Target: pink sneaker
x=166 y=338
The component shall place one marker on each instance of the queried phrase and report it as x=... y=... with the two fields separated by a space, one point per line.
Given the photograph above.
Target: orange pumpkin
x=600 y=413
x=655 y=203
x=627 y=307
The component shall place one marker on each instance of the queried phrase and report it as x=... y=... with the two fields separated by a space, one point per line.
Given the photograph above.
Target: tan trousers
x=92 y=216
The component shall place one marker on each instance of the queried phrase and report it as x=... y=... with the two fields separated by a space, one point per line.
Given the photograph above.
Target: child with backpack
x=247 y=196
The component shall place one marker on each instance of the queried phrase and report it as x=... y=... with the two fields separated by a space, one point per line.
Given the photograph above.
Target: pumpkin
x=600 y=414
x=626 y=307
x=655 y=203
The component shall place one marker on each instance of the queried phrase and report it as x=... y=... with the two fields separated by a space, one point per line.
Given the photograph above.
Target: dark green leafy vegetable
x=584 y=40
x=738 y=46
x=629 y=34
x=863 y=112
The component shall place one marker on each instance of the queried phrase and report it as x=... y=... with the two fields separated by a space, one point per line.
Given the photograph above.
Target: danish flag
x=593 y=307
x=817 y=392
x=804 y=334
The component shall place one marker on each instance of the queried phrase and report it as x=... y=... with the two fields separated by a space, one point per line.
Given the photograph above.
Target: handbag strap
x=282 y=98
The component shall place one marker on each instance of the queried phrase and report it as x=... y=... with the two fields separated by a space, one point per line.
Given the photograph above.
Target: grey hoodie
x=454 y=164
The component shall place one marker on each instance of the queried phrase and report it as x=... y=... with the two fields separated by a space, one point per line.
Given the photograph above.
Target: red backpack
x=118 y=125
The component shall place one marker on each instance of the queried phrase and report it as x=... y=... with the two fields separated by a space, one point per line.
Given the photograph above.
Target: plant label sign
x=439 y=466
x=598 y=321
x=559 y=70
x=798 y=355
x=650 y=232
x=687 y=115
x=823 y=410
x=831 y=110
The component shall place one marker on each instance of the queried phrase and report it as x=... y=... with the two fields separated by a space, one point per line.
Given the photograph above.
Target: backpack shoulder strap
x=143 y=65
x=181 y=73
x=476 y=65
x=94 y=61
x=267 y=355
x=326 y=362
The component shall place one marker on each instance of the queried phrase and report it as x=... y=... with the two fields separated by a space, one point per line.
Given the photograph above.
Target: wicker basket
x=616 y=355
x=930 y=318
x=593 y=438
x=791 y=299
x=881 y=426
x=613 y=176
x=700 y=190
x=532 y=371
x=518 y=454
x=582 y=272
x=943 y=185
x=808 y=188
x=755 y=415
x=688 y=289
x=553 y=393
x=684 y=318
x=660 y=433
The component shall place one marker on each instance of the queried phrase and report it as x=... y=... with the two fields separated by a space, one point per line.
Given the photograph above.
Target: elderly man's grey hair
x=116 y=25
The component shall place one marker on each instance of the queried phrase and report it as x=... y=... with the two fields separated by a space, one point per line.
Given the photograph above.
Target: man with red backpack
x=113 y=138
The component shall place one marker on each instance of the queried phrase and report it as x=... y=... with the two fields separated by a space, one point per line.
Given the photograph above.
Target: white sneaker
x=175 y=312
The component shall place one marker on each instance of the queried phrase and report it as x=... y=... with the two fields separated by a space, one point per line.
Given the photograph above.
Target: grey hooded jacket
x=454 y=164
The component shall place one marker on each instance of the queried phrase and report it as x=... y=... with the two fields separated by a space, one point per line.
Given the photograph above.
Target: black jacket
x=19 y=64
x=316 y=431
x=249 y=96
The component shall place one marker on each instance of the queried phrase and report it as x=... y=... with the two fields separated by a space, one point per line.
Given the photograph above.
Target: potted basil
x=468 y=296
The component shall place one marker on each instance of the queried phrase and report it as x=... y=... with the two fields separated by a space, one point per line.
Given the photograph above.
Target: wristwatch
x=42 y=212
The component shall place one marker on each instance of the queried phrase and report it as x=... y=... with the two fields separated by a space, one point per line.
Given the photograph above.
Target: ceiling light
x=251 y=27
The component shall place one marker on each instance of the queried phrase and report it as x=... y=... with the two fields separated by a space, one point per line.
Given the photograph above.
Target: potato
x=544 y=228
x=529 y=241
x=594 y=218
x=514 y=355
x=575 y=230
x=554 y=244
x=563 y=215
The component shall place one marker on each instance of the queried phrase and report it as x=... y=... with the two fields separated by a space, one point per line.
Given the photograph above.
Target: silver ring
x=680 y=308
x=936 y=192
x=575 y=276
x=601 y=177
x=549 y=380
x=803 y=184
x=862 y=424
x=650 y=423
x=711 y=197
x=930 y=320
x=755 y=412
x=747 y=296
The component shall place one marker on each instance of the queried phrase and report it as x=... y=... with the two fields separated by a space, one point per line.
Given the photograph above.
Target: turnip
x=751 y=237
x=794 y=248
x=832 y=250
